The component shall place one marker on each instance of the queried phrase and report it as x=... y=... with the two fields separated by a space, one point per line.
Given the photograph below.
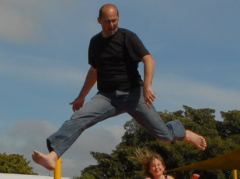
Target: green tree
x=231 y=123
x=14 y=163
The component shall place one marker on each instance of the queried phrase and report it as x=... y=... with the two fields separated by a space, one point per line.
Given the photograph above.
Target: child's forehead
x=155 y=160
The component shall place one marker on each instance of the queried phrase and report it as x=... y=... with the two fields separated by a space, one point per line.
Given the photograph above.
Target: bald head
x=106 y=8
x=108 y=18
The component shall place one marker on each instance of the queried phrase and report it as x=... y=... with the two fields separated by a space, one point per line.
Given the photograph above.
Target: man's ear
x=99 y=20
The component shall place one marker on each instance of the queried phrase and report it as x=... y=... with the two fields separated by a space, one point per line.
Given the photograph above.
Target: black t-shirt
x=116 y=59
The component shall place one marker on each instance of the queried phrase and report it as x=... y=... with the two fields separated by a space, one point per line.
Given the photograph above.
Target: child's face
x=156 y=168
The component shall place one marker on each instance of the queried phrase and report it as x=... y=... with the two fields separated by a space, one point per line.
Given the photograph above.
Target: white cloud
x=180 y=91
x=42 y=70
x=18 y=20
x=34 y=20
x=97 y=139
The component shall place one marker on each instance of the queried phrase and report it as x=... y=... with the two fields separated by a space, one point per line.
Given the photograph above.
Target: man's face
x=109 y=22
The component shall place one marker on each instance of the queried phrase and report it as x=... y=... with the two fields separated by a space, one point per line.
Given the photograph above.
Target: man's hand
x=149 y=95
x=77 y=103
x=90 y=80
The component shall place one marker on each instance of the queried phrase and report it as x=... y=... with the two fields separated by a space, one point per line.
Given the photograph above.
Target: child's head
x=155 y=166
x=153 y=163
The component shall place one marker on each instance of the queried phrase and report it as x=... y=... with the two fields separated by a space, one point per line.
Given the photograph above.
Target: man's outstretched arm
x=90 y=80
x=149 y=66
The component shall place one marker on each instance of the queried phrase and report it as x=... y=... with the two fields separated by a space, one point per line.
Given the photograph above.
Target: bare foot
x=197 y=140
x=48 y=161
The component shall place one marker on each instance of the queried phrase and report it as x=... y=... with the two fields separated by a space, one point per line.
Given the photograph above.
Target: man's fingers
x=75 y=107
x=150 y=99
x=149 y=104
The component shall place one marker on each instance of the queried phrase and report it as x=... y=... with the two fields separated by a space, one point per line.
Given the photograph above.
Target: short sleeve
x=135 y=47
x=91 y=59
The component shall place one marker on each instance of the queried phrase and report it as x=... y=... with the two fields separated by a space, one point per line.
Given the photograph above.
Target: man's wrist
x=146 y=85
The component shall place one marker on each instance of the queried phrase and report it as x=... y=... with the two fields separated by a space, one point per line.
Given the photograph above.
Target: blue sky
x=43 y=62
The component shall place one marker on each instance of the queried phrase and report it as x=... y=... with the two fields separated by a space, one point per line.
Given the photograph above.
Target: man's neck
x=106 y=35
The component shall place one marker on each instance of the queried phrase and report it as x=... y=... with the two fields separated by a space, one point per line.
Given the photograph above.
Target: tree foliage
x=222 y=136
x=14 y=163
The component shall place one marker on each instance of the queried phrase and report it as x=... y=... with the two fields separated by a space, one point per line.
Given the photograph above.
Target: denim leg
x=177 y=129
x=96 y=110
x=151 y=120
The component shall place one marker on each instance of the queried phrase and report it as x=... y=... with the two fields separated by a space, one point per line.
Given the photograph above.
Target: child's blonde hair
x=145 y=158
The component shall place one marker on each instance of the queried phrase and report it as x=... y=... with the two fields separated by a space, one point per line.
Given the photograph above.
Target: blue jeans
x=105 y=105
